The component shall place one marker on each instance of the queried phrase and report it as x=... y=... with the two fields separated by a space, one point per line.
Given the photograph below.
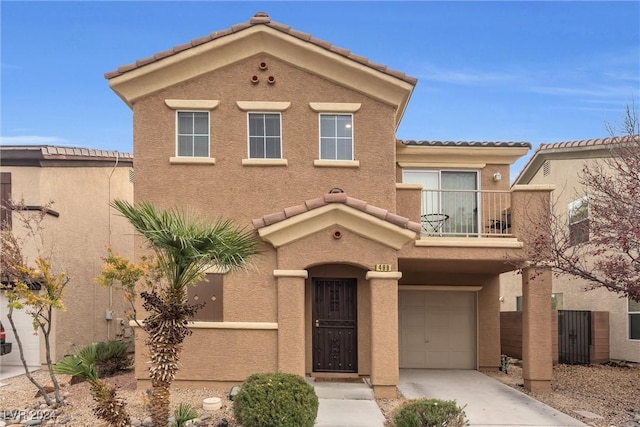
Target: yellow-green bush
x=430 y=413
x=276 y=400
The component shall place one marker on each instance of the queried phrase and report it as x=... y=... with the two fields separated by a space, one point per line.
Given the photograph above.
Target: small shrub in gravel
x=111 y=357
x=430 y=413
x=276 y=400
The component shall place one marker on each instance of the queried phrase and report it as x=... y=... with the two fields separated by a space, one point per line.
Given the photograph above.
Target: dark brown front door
x=335 y=337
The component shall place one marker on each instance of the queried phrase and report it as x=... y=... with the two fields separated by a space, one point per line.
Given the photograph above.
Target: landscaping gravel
x=611 y=392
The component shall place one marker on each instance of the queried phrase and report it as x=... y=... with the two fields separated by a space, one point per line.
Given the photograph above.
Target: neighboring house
x=77 y=229
x=378 y=254
x=559 y=164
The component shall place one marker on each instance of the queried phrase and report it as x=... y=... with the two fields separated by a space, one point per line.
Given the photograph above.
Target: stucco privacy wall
x=77 y=241
x=577 y=295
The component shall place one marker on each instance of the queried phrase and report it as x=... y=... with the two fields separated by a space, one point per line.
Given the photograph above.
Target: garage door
x=30 y=342
x=437 y=329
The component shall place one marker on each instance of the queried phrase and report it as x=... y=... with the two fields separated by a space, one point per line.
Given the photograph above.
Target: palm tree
x=184 y=248
x=109 y=407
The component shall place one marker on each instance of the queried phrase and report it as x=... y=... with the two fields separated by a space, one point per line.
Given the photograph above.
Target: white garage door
x=437 y=329
x=30 y=342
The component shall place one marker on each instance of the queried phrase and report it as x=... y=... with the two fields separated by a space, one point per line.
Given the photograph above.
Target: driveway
x=488 y=402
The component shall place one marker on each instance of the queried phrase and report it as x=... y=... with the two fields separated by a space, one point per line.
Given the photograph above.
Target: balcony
x=475 y=217
x=465 y=213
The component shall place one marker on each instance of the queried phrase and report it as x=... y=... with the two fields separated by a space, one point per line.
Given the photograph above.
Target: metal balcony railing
x=466 y=213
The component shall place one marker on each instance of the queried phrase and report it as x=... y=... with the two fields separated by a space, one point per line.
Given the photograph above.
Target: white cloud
x=31 y=140
x=462 y=77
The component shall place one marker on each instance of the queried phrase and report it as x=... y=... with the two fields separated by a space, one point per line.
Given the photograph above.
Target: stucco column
x=537 y=367
x=291 y=320
x=384 y=332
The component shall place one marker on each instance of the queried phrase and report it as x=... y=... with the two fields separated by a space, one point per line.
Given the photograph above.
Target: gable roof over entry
x=374 y=223
x=261 y=35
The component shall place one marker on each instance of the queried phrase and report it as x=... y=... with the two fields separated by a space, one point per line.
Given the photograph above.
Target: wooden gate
x=335 y=337
x=574 y=337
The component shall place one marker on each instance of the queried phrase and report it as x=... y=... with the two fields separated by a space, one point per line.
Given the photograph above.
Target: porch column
x=384 y=332
x=537 y=367
x=291 y=343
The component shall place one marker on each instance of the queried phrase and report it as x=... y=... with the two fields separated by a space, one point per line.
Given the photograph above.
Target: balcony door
x=449 y=200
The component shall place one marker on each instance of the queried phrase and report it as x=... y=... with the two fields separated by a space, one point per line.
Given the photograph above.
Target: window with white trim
x=336 y=136
x=634 y=319
x=192 y=134
x=578 y=216
x=265 y=136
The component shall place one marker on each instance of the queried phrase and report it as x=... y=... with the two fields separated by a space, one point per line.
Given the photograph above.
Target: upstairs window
x=634 y=319
x=193 y=134
x=336 y=136
x=265 y=136
x=578 y=215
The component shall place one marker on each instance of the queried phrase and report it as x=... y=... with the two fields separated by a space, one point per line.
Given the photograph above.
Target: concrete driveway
x=488 y=402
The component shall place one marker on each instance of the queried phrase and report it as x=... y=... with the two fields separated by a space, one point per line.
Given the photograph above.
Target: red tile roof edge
x=413 y=142
x=601 y=142
x=590 y=142
x=262 y=18
x=361 y=205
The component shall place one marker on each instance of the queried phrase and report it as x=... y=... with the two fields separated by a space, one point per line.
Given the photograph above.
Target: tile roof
x=464 y=143
x=328 y=198
x=262 y=18
x=590 y=142
x=544 y=150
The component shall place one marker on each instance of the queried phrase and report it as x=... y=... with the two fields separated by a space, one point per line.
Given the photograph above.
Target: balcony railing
x=466 y=213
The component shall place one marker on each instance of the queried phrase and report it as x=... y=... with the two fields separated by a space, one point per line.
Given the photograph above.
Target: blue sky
x=487 y=71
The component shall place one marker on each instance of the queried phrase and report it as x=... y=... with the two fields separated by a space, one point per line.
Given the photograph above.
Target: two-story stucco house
x=76 y=229
x=378 y=254
x=560 y=164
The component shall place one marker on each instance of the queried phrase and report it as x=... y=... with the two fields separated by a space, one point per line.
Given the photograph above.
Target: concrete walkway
x=488 y=402
x=346 y=405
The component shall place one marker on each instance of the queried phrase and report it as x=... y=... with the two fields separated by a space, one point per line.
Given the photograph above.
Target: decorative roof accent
x=262 y=18
x=328 y=198
x=464 y=143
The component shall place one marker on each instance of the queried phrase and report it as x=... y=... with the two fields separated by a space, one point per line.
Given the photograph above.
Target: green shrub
x=111 y=357
x=104 y=358
x=430 y=413
x=276 y=400
x=183 y=413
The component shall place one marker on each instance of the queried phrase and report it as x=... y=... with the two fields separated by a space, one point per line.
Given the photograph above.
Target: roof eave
x=458 y=154
x=217 y=53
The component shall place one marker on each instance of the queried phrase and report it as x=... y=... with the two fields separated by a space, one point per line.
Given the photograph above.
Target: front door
x=335 y=336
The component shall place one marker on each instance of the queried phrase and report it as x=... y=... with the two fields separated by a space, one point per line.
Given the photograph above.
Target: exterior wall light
x=497 y=176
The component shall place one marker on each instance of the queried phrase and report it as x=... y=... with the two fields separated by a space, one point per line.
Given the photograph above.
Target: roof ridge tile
x=262 y=18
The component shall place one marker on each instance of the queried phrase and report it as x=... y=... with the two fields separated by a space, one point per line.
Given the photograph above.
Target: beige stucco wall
x=252 y=191
x=230 y=190
x=563 y=173
x=76 y=241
